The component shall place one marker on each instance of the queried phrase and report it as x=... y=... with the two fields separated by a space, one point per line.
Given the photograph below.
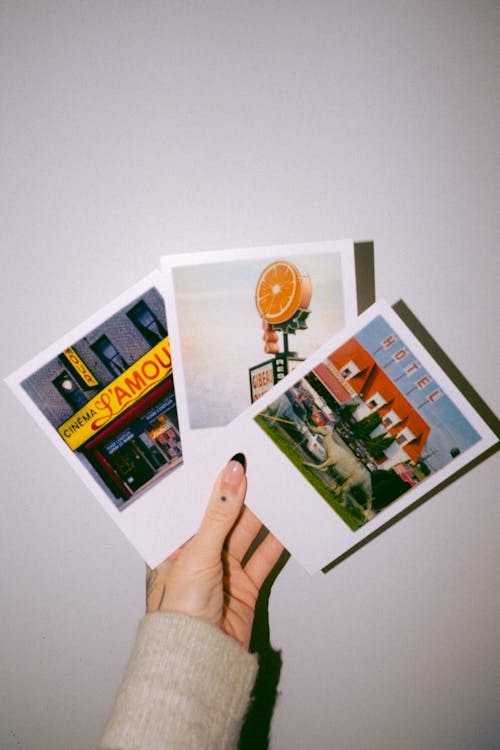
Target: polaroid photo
x=353 y=437
x=106 y=396
x=240 y=320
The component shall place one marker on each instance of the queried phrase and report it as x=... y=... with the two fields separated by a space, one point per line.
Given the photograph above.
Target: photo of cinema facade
x=352 y=374
x=111 y=398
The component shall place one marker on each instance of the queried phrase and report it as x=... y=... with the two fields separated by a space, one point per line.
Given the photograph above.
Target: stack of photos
x=345 y=420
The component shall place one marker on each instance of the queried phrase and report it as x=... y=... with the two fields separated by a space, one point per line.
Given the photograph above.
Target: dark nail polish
x=240 y=457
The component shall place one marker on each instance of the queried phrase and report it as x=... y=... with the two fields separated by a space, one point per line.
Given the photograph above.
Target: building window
x=72 y=394
x=390 y=419
x=146 y=323
x=401 y=439
x=349 y=370
x=109 y=355
x=376 y=401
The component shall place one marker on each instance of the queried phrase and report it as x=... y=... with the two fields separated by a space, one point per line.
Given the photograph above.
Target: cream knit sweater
x=186 y=687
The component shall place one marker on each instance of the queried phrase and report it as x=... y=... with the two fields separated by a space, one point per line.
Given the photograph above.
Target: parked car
x=315 y=446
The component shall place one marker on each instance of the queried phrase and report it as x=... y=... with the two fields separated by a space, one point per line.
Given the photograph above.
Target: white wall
x=131 y=129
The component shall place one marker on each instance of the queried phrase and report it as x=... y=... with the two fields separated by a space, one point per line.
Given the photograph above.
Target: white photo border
x=166 y=513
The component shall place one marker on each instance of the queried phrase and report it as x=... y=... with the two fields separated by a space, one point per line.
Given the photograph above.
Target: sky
x=449 y=426
x=221 y=334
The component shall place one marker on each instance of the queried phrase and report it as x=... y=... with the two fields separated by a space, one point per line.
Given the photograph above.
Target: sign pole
x=286 y=352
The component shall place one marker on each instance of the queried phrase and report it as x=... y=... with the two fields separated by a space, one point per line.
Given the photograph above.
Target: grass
x=351 y=516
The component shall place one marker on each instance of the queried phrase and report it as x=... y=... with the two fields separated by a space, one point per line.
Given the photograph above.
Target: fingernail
x=233 y=475
x=240 y=457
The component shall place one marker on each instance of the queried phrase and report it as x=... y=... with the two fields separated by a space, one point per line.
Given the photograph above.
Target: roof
x=333 y=384
x=372 y=379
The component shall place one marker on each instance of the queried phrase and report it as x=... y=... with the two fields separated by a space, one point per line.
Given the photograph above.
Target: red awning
x=332 y=384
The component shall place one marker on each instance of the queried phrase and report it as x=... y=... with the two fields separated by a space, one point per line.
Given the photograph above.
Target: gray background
x=132 y=129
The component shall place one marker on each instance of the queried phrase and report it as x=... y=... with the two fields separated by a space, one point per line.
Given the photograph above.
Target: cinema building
x=351 y=373
x=111 y=398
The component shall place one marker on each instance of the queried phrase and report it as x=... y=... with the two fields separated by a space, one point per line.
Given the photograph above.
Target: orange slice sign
x=281 y=290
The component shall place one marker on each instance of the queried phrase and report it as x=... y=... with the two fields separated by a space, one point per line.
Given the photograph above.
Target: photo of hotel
x=367 y=424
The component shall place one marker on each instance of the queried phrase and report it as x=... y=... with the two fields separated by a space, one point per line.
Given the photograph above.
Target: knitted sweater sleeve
x=187 y=685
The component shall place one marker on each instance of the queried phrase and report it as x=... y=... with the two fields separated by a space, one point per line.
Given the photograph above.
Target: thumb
x=223 y=508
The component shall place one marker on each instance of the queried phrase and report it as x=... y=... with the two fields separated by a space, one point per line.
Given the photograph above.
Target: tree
x=378 y=445
x=347 y=411
x=364 y=428
x=423 y=468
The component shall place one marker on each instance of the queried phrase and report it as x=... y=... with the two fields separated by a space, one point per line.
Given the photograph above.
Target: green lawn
x=285 y=443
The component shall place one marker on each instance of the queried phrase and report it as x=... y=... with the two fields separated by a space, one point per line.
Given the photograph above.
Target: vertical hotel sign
x=138 y=380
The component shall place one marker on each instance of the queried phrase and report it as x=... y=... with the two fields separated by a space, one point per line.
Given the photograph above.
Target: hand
x=205 y=577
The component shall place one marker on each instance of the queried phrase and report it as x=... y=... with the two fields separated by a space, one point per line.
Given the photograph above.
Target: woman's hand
x=205 y=577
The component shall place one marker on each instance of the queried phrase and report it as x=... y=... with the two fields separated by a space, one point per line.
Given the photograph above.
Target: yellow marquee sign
x=118 y=396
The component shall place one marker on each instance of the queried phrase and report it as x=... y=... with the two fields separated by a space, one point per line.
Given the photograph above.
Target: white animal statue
x=346 y=464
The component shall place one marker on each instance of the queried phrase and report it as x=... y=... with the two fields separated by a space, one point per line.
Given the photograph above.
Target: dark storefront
x=139 y=445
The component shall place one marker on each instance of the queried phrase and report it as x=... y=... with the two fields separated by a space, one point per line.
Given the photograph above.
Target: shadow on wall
x=256 y=727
